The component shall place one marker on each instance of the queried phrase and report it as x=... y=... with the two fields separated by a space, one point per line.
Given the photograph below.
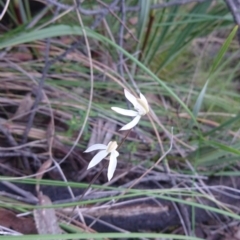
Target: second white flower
x=140 y=105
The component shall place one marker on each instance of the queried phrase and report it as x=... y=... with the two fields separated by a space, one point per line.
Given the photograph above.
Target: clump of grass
x=177 y=56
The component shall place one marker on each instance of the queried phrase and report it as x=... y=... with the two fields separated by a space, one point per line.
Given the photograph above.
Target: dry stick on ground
x=13 y=143
x=104 y=14
x=4 y=9
x=88 y=12
x=47 y=66
x=120 y=20
x=29 y=197
x=234 y=7
x=38 y=95
x=181 y=210
x=8 y=135
x=201 y=186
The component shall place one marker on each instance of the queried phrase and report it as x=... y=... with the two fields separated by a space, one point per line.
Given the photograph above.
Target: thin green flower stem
x=123 y=140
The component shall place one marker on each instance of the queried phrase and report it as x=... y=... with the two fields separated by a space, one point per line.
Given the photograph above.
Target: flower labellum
x=105 y=150
x=140 y=105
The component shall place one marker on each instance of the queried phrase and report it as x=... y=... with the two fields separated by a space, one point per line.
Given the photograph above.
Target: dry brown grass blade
x=45 y=218
x=102 y=132
x=34 y=133
x=24 y=107
x=44 y=167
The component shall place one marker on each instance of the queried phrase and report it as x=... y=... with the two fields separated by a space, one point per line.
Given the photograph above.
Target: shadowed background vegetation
x=64 y=64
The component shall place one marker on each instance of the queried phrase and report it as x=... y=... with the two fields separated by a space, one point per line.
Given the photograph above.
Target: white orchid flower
x=141 y=106
x=105 y=150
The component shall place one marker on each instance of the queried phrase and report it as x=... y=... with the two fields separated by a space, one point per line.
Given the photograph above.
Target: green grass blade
x=143 y=18
x=62 y=30
x=157 y=39
x=223 y=125
x=184 y=36
x=102 y=236
x=199 y=101
x=224 y=147
x=142 y=23
x=216 y=62
x=223 y=49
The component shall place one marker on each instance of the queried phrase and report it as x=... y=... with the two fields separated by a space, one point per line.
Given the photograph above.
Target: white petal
x=140 y=108
x=97 y=158
x=112 y=146
x=132 y=124
x=112 y=164
x=130 y=97
x=96 y=147
x=144 y=100
x=125 y=112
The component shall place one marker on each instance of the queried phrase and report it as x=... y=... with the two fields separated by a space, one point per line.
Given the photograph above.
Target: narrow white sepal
x=112 y=164
x=125 y=112
x=130 y=98
x=132 y=124
x=141 y=110
x=97 y=158
x=96 y=147
x=142 y=97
